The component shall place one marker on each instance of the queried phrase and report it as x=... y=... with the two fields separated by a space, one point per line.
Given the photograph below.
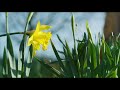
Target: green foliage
x=85 y=60
x=21 y=61
x=11 y=67
x=88 y=60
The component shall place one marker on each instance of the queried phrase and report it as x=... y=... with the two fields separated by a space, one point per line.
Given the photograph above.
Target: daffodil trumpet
x=38 y=38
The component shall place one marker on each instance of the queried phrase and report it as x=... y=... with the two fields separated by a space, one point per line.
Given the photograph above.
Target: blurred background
x=61 y=22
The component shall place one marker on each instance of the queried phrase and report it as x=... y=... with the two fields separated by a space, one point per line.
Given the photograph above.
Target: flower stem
x=13 y=34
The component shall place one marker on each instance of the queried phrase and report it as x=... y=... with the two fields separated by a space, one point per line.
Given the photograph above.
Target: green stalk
x=6 y=14
x=13 y=34
x=22 y=47
x=10 y=52
x=73 y=29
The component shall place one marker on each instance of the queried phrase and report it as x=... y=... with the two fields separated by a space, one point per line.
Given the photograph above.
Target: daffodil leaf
x=12 y=65
x=10 y=52
x=88 y=31
x=5 y=64
x=22 y=48
x=92 y=57
x=118 y=57
x=67 y=64
x=82 y=56
x=73 y=30
x=60 y=40
x=108 y=53
x=113 y=72
x=58 y=57
x=6 y=14
x=72 y=62
x=51 y=69
x=73 y=25
x=29 y=62
x=11 y=57
x=20 y=60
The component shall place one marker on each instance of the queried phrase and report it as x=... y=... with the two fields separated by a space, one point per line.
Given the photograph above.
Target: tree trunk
x=112 y=24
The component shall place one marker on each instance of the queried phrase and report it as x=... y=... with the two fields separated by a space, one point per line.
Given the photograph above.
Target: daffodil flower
x=39 y=39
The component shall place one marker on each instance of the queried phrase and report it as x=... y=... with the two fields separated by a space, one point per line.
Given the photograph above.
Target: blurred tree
x=112 y=24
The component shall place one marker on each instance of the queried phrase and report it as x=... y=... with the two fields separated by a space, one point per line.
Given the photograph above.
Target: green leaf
x=30 y=15
x=51 y=69
x=60 y=40
x=73 y=29
x=58 y=57
x=10 y=52
x=73 y=24
x=6 y=14
x=112 y=73
x=22 y=47
x=108 y=53
x=72 y=62
x=88 y=31
x=11 y=57
x=12 y=65
x=92 y=57
x=68 y=65
x=91 y=51
x=29 y=61
x=118 y=57
x=20 y=60
x=5 y=64
x=82 y=56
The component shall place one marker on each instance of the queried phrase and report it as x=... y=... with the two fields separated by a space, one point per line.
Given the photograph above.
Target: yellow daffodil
x=39 y=39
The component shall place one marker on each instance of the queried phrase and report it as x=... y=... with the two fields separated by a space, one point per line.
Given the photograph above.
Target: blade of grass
x=81 y=55
x=72 y=62
x=113 y=72
x=60 y=40
x=10 y=53
x=29 y=62
x=118 y=57
x=73 y=29
x=67 y=64
x=118 y=62
x=22 y=46
x=108 y=53
x=88 y=31
x=93 y=55
x=91 y=51
x=58 y=57
x=5 y=64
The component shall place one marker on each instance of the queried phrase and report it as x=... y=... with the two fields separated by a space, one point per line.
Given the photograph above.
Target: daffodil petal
x=45 y=27
x=30 y=41
x=36 y=45
x=37 y=28
x=40 y=39
x=44 y=47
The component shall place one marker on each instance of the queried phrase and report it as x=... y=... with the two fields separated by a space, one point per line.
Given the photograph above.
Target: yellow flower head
x=39 y=38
